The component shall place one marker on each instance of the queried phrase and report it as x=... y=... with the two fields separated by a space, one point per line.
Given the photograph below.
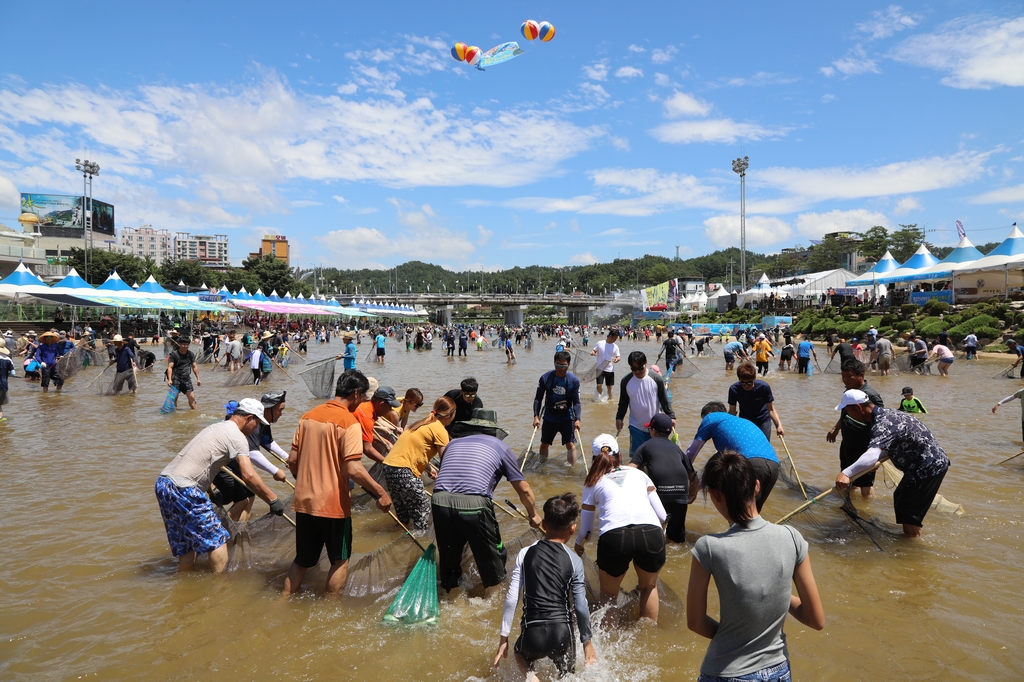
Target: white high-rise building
x=211 y=251
x=146 y=241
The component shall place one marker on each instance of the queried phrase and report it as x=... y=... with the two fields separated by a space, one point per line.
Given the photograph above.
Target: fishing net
x=169 y=345
x=205 y=358
x=528 y=343
x=588 y=375
x=241 y=377
x=112 y=382
x=1008 y=373
x=365 y=501
x=416 y=602
x=319 y=378
x=71 y=363
x=902 y=363
x=892 y=477
x=93 y=357
x=496 y=342
x=833 y=366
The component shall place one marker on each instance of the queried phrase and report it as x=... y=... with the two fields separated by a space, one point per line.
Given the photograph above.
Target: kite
x=498 y=54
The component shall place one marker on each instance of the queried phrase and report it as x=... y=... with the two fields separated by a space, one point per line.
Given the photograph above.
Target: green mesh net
x=416 y=602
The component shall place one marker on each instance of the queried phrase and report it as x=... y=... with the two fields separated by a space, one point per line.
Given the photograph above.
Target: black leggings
x=549 y=640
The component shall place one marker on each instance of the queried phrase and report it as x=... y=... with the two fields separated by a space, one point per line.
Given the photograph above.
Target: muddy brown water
x=89 y=589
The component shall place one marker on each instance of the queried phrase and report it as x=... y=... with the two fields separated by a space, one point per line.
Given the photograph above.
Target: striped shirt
x=473 y=465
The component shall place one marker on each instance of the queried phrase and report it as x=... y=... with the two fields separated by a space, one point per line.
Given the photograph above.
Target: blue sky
x=351 y=129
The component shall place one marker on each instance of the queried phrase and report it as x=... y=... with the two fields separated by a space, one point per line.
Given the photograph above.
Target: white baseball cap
x=852 y=397
x=605 y=440
x=253 y=407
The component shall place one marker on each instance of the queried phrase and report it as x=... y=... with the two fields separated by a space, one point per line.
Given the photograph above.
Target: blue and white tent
x=885 y=265
x=962 y=256
x=908 y=272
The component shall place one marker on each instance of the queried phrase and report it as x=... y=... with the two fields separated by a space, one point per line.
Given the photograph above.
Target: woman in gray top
x=753 y=564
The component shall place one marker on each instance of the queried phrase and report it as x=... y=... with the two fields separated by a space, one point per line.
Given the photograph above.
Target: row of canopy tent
x=115 y=293
x=808 y=285
x=965 y=259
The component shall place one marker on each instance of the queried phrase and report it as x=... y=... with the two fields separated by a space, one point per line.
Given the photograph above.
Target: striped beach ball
x=545 y=31
x=529 y=29
x=472 y=54
x=459 y=52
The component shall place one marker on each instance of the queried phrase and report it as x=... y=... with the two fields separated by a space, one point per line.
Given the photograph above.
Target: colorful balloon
x=546 y=31
x=459 y=52
x=472 y=55
x=529 y=29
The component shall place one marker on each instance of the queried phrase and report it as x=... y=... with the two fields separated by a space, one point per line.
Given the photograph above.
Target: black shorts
x=643 y=545
x=3 y=397
x=549 y=429
x=912 y=500
x=550 y=640
x=380 y=352
x=767 y=473
x=184 y=385
x=230 y=489
x=729 y=357
x=462 y=519
x=606 y=378
x=676 y=507
x=313 y=532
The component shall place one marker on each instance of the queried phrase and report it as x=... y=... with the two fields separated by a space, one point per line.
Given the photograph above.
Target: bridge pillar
x=579 y=314
x=443 y=315
x=514 y=315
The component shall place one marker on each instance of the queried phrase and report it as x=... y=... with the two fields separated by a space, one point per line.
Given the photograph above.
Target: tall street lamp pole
x=740 y=166
x=89 y=170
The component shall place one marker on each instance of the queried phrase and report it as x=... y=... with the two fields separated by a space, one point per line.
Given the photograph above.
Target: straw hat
x=48 y=335
x=267 y=335
x=118 y=338
x=4 y=351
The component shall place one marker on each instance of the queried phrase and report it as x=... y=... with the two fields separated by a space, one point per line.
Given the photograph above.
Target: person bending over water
x=753 y=564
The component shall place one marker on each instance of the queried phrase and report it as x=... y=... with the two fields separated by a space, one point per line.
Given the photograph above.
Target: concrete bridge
x=578 y=307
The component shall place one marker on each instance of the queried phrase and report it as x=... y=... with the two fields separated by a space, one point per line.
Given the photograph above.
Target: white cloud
x=585 y=258
x=232 y=146
x=340 y=199
x=612 y=232
x=376 y=55
x=903 y=177
x=683 y=104
x=620 y=143
x=629 y=72
x=354 y=245
x=906 y=205
x=977 y=53
x=1005 y=195
x=10 y=198
x=636 y=48
x=855 y=63
x=304 y=203
x=816 y=225
x=759 y=79
x=662 y=80
x=348 y=89
x=597 y=71
x=574 y=225
x=724 y=230
x=663 y=56
x=885 y=23
x=595 y=93
x=715 y=130
x=408 y=215
x=828 y=97
x=485 y=235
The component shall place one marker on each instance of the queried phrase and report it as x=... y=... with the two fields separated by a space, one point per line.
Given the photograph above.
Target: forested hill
x=620 y=274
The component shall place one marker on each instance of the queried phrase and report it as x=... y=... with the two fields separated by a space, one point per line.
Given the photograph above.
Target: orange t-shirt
x=364 y=414
x=327 y=437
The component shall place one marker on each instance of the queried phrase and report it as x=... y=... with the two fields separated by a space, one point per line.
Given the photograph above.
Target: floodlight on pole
x=740 y=166
x=89 y=170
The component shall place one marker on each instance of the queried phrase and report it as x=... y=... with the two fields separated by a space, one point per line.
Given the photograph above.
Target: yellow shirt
x=414 y=449
x=762 y=348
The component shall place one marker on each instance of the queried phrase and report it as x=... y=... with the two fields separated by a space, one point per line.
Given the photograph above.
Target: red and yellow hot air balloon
x=459 y=52
x=530 y=29
x=545 y=31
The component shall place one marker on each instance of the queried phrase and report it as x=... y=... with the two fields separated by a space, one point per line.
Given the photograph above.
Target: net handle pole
x=517 y=510
x=313 y=365
x=529 y=448
x=96 y=377
x=235 y=476
x=407 y=531
x=793 y=464
x=1013 y=457
x=583 y=459
x=815 y=500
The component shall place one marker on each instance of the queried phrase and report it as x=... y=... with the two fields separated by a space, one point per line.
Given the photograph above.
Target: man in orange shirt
x=380 y=403
x=326 y=453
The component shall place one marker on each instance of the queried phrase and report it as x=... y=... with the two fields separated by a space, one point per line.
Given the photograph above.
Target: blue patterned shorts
x=776 y=673
x=189 y=517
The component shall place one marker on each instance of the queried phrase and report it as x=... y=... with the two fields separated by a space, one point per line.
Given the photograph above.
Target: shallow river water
x=89 y=590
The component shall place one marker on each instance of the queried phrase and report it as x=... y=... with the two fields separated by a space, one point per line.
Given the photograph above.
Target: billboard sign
x=60 y=214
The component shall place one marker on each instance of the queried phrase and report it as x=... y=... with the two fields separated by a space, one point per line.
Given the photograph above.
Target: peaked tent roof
x=72 y=280
x=921 y=259
x=1011 y=250
x=884 y=265
x=964 y=254
x=151 y=286
x=114 y=283
x=21 y=277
